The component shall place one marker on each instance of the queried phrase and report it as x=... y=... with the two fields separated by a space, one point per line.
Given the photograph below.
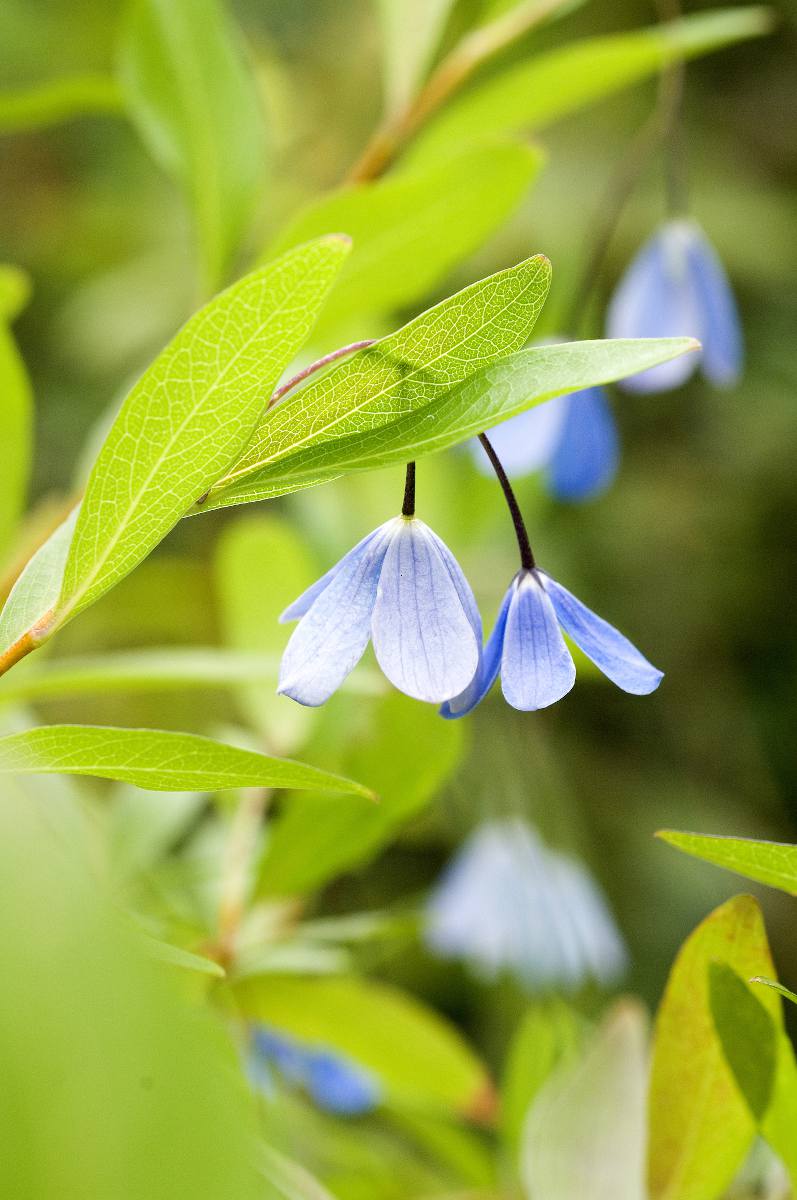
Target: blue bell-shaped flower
x=676 y=286
x=508 y=904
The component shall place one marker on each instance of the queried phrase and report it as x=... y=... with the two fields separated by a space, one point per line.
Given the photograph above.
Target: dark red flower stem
x=318 y=365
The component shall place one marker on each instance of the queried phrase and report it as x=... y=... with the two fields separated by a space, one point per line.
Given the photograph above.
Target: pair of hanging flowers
x=402 y=588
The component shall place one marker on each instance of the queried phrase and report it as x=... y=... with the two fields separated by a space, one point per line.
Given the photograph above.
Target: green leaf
x=535 y=92
x=177 y=957
x=159 y=760
x=34 y=595
x=404 y=371
x=16 y=430
x=151 y=670
x=190 y=415
x=304 y=854
x=411 y=31
x=585 y=1134
x=410 y=229
x=169 y=668
x=57 y=100
x=747 y=1033
x=761 y=1057
x=418 y=1057
x=548 y=1036
x=780 y=1120
x=194 y=101
x=113 y=1083
x=773 y=863
x=700 y=1125
x=489 y=396
x=15 y=288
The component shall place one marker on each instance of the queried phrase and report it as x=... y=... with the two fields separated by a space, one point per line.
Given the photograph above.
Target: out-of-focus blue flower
x=676 y=286
x=401 y=587
x=573 y=437
x=507 y=903
x=332 y=1081
x=527 y=648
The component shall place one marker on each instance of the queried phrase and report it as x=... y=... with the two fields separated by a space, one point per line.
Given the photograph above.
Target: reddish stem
x=317 y=366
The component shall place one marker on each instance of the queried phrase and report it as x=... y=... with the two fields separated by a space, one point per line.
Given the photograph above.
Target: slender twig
x=318 y=365
x=673 y=81
x=617 y=194
x=450 y=75
x=527 y=561
x=408 y=507
x=658 y=127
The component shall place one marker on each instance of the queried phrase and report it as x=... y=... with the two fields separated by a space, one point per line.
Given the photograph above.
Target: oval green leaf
x=190 y=415
x=773 y=863
x=159 y=760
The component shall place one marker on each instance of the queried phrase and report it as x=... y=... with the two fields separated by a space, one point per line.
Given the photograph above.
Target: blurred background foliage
x=692 y=553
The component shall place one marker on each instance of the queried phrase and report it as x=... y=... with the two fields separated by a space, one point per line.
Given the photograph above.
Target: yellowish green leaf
x=417 y=1056
x=188 y=418
x=535 y=92
x=700 y=1126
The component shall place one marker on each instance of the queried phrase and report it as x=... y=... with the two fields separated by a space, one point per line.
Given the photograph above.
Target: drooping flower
x=508 y=903
x=677 y=286
x=402 y=588
x=573 y=438
x=332 y=1081
x=528 y=649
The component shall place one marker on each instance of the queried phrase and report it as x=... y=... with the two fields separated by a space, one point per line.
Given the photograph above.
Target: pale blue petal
x=526 y=442
x=585 y=460
x=331 y=637
x=304 y=602
x=467 y=915
x=508 y=903
x=619 y=660
x=721 y=334
x=536 y=667
x=422 y=628
x=489 y=666
x=601 y=949
x=466 y=596
x=657 y=297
